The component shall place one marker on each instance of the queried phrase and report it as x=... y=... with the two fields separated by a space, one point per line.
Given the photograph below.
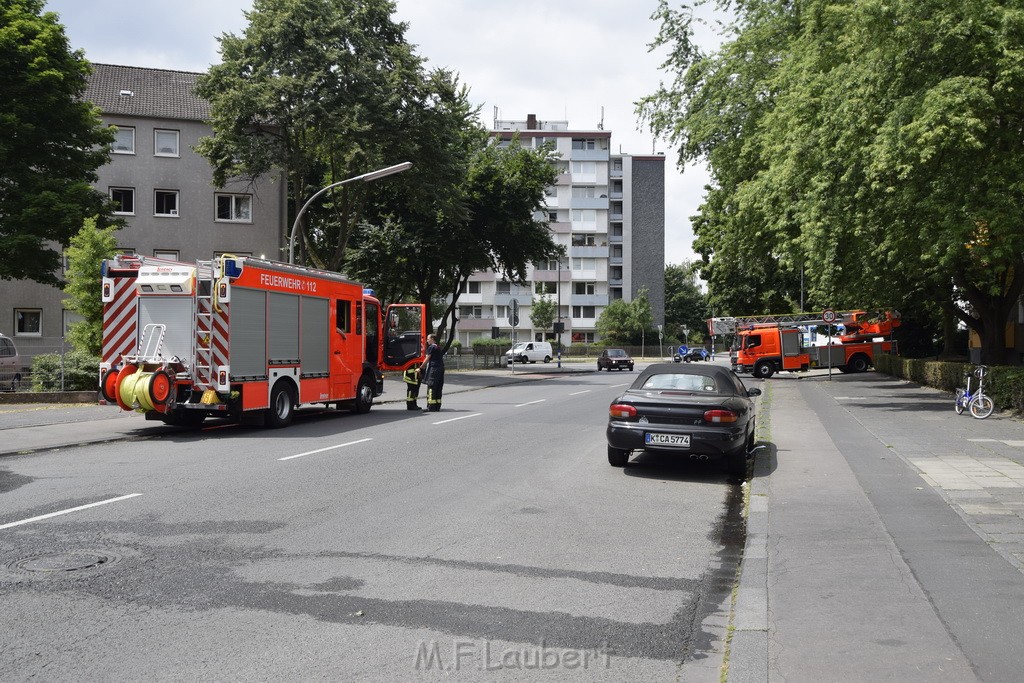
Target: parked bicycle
x=980 y=405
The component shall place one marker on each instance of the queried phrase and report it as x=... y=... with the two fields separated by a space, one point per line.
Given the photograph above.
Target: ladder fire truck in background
x=245 y=338
x=767 y=344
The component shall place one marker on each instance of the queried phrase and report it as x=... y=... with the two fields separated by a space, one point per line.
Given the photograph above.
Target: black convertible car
x=688 y=410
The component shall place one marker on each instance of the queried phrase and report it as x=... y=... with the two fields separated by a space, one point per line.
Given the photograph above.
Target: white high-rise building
x=608 y=210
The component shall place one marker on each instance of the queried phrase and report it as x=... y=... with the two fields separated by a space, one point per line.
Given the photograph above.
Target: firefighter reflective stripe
x=119 y=321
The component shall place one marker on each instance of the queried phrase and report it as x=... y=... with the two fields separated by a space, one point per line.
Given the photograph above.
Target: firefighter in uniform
x=412 y=388
x=432 y=372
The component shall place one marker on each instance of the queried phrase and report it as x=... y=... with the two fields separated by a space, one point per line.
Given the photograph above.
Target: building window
x=545 y=287
x=503 y=287
x=470 y=287
x=616 y=251
x=584 y=240
x=584 y=264
x=583 y=337
x=169 y=254
x=165 y=143
x=583 y=311
x=124 y=200
x=124 y=140
x=584 y=219
x=584 y=171
x=584 y=288
x=28 y=322
x=234 y=207
x=165 y=203
x=471 y=312
x=70 y=318
x=586 y=192
x=584 y=143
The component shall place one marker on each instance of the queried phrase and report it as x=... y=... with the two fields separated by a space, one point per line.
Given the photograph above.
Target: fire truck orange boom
x=772 y=343
x=246 y=338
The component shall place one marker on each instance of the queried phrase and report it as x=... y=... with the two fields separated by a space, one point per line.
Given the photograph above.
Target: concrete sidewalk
x=884 y=539
x=28 y=427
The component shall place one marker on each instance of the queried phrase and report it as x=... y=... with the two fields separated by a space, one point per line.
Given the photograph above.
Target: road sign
x=829 y=316
x=513 y=315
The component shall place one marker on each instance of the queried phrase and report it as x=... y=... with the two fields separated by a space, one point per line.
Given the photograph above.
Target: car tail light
x=622 y=410
x=718 y=416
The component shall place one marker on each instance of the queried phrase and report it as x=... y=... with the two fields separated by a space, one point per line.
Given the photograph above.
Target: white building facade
x=608 y=210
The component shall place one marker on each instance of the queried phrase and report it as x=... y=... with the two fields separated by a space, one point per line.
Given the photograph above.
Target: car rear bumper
x=703 y=440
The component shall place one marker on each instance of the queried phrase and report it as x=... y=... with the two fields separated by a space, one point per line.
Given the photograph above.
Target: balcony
x=525 y=298
x=560 y=227
x=614 y=260
x=589 y=252
x=476 y=324
x=614 y=239
x=614 y=172
x=614 y=281
x=588 y=300
x=589 y=155
x=599 y=203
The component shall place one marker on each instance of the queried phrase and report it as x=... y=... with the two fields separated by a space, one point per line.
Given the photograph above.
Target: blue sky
x=575 y=60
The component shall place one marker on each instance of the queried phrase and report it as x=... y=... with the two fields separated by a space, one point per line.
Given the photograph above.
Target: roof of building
x=152 y=93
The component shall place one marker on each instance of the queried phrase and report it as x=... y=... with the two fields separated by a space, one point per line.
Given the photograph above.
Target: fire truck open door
x=404 y=337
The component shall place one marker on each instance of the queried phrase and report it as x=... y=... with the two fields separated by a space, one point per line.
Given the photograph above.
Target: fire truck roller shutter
x=283 y=328
x=248 y=337
x=176 y=313
x=316 y=335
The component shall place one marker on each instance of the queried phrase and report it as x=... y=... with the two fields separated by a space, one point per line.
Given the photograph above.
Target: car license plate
x=676 y=440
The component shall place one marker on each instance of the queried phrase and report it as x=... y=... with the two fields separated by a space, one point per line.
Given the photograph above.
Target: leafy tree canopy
x=87 y=250
x=685 y=304
x=51 y=145
x=875 y=146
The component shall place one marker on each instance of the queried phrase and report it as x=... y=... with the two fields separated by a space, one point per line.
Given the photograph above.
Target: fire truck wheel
x=764 y=370
x=859 y=363
x=282 y=405
x=364 y=396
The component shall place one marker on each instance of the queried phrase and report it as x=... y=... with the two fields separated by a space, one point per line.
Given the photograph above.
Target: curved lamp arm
x=366 y=177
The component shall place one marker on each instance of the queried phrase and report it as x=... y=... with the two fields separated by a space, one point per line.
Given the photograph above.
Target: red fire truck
x=247 y=338
x=772 y=343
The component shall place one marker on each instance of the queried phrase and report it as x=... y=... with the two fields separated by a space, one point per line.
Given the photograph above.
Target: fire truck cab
x=246 y=338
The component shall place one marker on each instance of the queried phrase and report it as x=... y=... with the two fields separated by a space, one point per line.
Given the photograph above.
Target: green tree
x=685 y=304
x=876 y=146
x=84 y=284
x=320 y=89
x=52 y=143
x=616 y=323
x=543 y=312
x=492 y=225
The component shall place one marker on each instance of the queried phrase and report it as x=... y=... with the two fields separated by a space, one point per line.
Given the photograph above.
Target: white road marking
x=616 y=386
x=64 y=512
x=539 y=400
x=329 y=448
x=577 y=393
x=983 y=440
x=458 y=418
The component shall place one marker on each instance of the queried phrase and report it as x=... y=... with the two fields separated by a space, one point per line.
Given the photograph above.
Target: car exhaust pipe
x=694 y=456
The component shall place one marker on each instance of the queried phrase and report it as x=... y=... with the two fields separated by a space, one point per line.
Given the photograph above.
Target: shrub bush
x=80 y=372
x=1005 y=384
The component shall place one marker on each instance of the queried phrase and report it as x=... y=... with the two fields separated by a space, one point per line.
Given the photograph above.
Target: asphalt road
x=489 y=540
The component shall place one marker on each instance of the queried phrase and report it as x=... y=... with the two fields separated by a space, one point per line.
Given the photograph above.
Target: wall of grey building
x=195 y=233
x=647 y=234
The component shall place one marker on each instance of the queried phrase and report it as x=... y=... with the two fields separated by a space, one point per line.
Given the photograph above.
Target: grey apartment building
x=163 y=190
x=608 y=210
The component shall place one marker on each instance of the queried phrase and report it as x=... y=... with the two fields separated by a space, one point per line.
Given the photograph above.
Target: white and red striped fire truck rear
x=246 y=338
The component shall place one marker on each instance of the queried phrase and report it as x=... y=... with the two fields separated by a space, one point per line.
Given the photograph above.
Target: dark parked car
x=614 y=358
x=694 y=354
x=688 y=410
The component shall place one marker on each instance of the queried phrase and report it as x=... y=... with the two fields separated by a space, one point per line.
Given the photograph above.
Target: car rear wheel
x=547 y=359
x=736 y=462
x=617 y=457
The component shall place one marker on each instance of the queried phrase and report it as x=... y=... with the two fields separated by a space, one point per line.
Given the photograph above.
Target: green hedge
x=1004 y=383
x=81 y=372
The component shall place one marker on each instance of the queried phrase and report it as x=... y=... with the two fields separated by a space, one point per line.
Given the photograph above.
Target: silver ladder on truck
x=206 y=281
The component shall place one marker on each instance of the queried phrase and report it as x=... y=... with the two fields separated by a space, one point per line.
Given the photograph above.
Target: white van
x=530 y=352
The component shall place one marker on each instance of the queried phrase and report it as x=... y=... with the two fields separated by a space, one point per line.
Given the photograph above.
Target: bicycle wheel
x=982 y=406
x=959 y=405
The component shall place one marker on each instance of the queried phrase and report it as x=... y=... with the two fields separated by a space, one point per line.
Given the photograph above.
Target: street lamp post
x=558 y=340
x=366 y=177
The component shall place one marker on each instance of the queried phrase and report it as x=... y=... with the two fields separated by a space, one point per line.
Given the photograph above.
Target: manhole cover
x=73 y=561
